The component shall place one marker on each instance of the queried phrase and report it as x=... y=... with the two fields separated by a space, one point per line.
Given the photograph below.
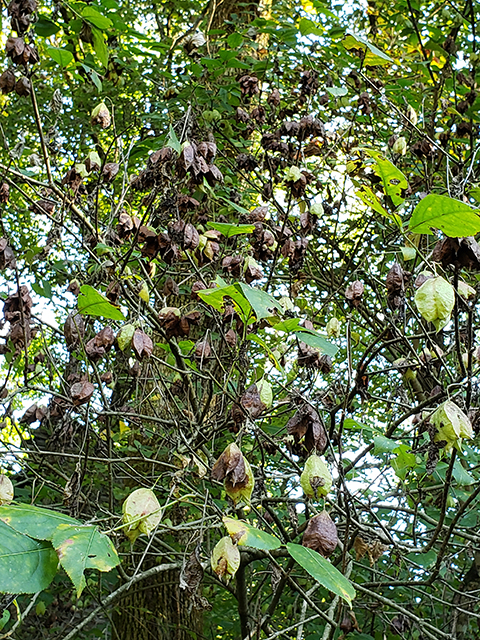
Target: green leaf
x=455 y=218
x=92 y=303
x=235 y=206
x=33 y=521
x=351 y=423
x=100 y=46
x=337 y=92
x=461 y=475
x=322 y=571
x=373 y=56
x=249 y=536
x=393 y=180
x=61 y=56
x=229 y=230
x=94 y=17
x=262 y=303
x=253 y=337
x=309 y=336
x=83 y=547
x=45 y=27
x=4 y=619
x=173 y=142
x=308 y=27
x=384 y=445
x=26 y=565
x=317 y=341
x=368 y=197
x=234 y=40
x=425 y=560
x=215 y=297
x=403 y=462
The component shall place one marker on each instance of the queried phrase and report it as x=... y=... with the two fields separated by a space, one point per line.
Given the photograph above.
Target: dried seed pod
x=7 y=81
x=101 y=115
x=73 y=330
x=81 y=392
x=321 y=534
x=354 y=293
x=236 y=473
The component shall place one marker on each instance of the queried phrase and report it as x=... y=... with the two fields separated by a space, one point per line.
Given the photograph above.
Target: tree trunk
x=157 y=609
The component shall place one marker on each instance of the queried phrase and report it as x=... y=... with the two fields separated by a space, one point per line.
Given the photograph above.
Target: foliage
x=235 y=238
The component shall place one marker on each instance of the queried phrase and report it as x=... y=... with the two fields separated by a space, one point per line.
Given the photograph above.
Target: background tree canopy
x=240 y=341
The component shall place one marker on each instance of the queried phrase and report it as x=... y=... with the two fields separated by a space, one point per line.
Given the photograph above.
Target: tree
x=240 y=358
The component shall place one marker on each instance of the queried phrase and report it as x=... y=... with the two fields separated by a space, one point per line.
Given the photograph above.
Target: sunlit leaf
x=245 y=534
x=373 y=56
x=323 y=571
x=455 y=218
x=93 y=303
x=83 y=547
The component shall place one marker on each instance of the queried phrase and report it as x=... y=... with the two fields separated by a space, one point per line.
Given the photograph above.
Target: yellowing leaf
x=435 y=300
x=244 y=534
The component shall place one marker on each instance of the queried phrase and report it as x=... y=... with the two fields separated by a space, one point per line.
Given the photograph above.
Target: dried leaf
x=361 y=547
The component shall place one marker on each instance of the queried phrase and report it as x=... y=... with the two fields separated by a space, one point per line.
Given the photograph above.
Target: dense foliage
x=240 y=342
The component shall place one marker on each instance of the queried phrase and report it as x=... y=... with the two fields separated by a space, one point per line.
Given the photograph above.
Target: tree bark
x=157 y=609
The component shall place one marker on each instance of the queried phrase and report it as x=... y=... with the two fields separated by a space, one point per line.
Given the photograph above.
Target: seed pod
x=125 y=335
x=236 y=473
x=452 y=425
x=225 y=559
x=6 y=490
x=315 y=480
x=321 y=534
x=141 y=513
x=101 y=115
x=400 y=146
x=334 y=328
x=243 y=492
